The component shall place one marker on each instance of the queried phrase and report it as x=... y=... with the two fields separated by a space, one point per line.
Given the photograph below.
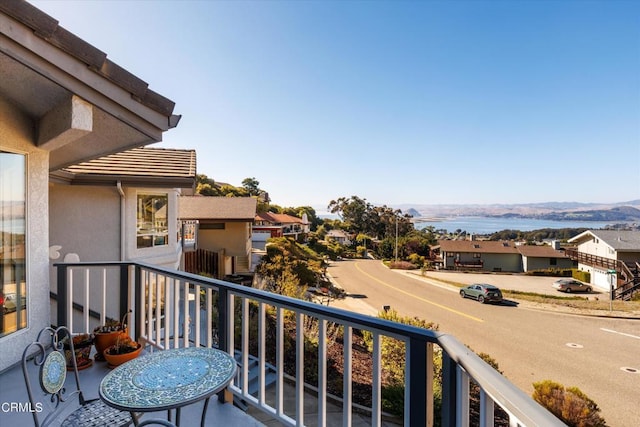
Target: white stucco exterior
x=16 y=136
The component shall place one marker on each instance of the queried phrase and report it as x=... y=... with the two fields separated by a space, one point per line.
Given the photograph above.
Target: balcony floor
x=13 y=389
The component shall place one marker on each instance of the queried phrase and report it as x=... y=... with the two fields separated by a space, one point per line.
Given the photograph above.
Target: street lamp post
x=396 y=239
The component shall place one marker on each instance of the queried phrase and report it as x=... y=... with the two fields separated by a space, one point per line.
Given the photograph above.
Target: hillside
x=624 y=211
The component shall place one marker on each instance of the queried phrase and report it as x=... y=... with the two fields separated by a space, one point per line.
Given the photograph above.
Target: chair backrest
x=48 y=354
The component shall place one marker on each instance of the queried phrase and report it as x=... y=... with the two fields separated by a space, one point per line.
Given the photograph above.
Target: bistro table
x=168 y=379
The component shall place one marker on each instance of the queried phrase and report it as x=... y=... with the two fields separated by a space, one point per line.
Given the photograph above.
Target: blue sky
x=425 y=102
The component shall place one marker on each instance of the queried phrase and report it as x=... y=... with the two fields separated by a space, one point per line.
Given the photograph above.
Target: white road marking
x=620 y=333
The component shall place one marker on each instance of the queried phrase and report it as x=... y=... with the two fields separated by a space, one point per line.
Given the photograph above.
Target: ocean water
x=488 y=225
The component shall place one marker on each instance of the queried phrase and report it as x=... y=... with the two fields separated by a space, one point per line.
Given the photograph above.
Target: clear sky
x=425 y=102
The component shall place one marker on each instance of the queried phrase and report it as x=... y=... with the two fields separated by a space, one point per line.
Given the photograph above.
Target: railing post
x=223 y=328
x=139 y=301
x=124 y=290
x=62 y=294
x=417 y=375
x=449 y=384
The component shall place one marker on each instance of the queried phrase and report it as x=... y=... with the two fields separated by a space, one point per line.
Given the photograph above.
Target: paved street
x=529 y=344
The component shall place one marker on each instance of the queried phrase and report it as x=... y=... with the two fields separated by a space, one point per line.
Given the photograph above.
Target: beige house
x=62 y=102
x=224 y=228
x=611 y=256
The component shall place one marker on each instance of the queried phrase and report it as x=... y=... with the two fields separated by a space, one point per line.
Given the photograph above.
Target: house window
x=13 y=285
x=477 y=255
x=213 y=226
x=152 y=226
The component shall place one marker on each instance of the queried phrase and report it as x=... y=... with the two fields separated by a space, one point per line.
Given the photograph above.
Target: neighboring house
x=480 y=255
x=62 y=102
x=338 y=236
x=544 y=257
x=281 y=225
x=500 y=256
x=127 y=202
x=224 y=227
x=609 y=253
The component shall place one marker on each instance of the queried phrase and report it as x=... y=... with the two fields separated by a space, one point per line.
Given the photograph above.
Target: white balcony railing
x=175 y=309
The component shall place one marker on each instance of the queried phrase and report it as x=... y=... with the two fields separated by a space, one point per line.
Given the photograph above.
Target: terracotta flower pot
x=82 y=350
x=119 y=359
x=104 y=340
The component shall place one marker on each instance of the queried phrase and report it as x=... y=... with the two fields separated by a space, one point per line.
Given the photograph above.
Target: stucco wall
x=233 y=239
x=85 y=220
x=16 y=135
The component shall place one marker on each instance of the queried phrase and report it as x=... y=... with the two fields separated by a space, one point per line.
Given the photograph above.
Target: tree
x=252 y=186
x=377 y=221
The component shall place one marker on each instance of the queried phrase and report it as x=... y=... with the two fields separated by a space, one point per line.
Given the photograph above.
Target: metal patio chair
x=49 y=354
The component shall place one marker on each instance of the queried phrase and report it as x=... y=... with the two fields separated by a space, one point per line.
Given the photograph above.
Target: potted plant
x=107 y=334
x=122 y=351
x=82 y=349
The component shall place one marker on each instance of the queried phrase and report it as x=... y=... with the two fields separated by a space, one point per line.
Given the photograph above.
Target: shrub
x=402 y=265
x=569 y=404
x=417 y=260
x=583 y=276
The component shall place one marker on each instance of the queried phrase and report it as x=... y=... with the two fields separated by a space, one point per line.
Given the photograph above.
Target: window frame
x=155 y=236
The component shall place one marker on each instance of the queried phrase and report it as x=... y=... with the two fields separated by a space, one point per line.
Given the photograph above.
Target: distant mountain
x=623 y=211
x=414 y=213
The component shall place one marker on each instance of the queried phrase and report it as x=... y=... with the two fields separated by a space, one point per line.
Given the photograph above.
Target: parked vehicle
x=482 y=292
x=571 y=285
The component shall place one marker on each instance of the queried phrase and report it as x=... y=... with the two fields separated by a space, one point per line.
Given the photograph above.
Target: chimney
x=555 y=245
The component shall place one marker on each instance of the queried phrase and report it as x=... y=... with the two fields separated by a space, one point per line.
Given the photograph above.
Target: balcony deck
x=13 y=390
x=171 y=309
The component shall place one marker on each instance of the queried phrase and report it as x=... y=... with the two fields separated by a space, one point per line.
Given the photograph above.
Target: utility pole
x=396 y=238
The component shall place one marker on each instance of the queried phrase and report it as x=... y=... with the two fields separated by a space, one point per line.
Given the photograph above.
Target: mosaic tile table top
x=167 y=379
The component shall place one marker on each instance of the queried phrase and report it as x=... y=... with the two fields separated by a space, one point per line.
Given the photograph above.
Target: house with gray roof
x=612 y=257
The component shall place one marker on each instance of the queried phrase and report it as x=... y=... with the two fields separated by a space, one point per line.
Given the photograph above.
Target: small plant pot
x=114 y=359
x=104 y=340
x=82 y=352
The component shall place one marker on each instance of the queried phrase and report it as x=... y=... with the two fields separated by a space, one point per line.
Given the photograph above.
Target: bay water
x=488 y=225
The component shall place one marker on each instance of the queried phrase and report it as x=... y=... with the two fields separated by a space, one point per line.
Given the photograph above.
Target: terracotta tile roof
x=47 y=28
x=475 y=246
x=540 y=251
x=275 y=218
x=217 y=208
